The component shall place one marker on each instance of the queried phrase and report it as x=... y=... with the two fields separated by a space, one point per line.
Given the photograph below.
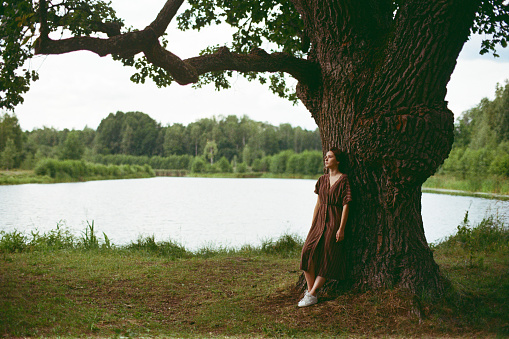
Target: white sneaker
x=308 y=300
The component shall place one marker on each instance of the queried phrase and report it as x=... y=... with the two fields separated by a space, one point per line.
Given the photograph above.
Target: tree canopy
x=29 y=27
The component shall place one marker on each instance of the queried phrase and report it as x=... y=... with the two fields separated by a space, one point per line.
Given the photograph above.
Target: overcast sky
x=80 y=89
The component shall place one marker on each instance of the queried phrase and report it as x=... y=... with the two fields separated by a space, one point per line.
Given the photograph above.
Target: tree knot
x=408 y=143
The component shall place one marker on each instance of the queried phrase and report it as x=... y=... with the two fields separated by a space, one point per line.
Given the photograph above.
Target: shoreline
x=21 y=177
x=493 y=196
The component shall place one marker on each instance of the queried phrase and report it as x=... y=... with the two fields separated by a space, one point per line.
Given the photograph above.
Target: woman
x=322 y=256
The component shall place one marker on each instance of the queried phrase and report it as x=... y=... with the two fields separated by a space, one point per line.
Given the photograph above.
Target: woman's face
x=330 y=160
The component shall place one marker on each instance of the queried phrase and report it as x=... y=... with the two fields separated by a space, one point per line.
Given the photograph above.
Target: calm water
x=200 y=211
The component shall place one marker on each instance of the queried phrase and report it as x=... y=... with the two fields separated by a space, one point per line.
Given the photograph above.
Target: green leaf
x=273 y=23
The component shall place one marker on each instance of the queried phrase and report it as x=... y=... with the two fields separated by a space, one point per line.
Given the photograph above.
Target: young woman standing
x=322 y=255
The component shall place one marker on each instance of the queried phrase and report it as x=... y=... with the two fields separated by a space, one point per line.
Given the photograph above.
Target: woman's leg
x=310 y=276
x=319 y=281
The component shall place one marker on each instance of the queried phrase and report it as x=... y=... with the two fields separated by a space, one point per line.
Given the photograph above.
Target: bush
x=76 y=170
x=279 y=161
x=13 y=242
x=500 y=165
x=163 y=249
x=223 y=165
x=198 y=165
x=262 y=165
x=305 y=163
x=287 y=245
x=57 y=239
x=241 y=167
x=477 y=161
x=313 y=162
x=488 y=236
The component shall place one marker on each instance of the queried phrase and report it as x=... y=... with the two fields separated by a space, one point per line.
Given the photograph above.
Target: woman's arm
x=340 y=235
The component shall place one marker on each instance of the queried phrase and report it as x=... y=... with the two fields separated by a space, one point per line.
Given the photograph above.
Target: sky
x=80 y=89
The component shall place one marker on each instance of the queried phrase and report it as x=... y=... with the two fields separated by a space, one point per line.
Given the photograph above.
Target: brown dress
x=321 y=247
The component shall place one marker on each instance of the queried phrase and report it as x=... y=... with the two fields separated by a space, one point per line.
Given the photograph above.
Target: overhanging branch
x=224 y=60
x=183 y=71
x=258 y=61
x=125 y=44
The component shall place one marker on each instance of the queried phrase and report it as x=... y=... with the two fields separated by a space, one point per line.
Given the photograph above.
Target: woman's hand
x=340 y=235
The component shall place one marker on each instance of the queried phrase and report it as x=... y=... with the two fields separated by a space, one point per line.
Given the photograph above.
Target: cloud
x=471 y=51
x=473 y=80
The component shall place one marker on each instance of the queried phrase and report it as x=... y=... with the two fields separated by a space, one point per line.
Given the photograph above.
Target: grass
x=59 y=285
x=492 y=185
x=18 y=177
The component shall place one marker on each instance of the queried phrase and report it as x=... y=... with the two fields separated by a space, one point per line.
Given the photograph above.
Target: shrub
x=198 y=165
x=500 y=165
x=279 y=161
x=164 y=248
x=57 y=239
x=313 y=162
x=262 y=165
x=223 y=165
x=488 y=236
x=287 y=245
x=72 y=170
x=241 y=167
x=12 y=242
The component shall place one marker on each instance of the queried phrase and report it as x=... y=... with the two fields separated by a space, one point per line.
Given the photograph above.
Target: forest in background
x=481 y=139
x=232 y=144
x=209 y=145
x=479 y=159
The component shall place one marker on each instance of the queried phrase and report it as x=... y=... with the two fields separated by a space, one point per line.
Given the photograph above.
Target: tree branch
x=43 y=11
x=187 y=71
x=258 y=61
x=160 y=24
x=183 y=71
x=125 y=44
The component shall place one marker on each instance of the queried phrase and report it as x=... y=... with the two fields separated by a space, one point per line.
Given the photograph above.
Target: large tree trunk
x=382 y=100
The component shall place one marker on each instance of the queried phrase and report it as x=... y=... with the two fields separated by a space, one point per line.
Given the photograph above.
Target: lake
x=198 y=212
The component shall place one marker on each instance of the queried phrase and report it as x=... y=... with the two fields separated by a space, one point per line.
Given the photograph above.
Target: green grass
x=18 y=177
x=60 y=285
x=495 y=185
x=54 y=171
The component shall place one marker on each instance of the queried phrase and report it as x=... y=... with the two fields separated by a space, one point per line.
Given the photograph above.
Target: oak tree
x=372 y=73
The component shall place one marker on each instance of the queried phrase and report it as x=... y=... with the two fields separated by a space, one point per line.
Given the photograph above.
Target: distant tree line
x=210 y=145
x=233 y=144
x=481 y=139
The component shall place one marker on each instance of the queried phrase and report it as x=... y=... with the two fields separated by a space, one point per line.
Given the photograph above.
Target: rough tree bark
x=382 y=100
x=375 y=85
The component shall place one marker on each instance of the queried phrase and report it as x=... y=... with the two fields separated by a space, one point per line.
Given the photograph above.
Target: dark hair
x=341 y=158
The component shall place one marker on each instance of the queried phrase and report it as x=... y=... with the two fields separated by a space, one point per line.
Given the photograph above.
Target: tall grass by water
x=484 y=184
x=79 y=170
x=61 y=238
x=57 y=284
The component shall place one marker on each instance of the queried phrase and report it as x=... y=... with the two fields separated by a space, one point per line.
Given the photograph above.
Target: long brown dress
x=321 y=247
